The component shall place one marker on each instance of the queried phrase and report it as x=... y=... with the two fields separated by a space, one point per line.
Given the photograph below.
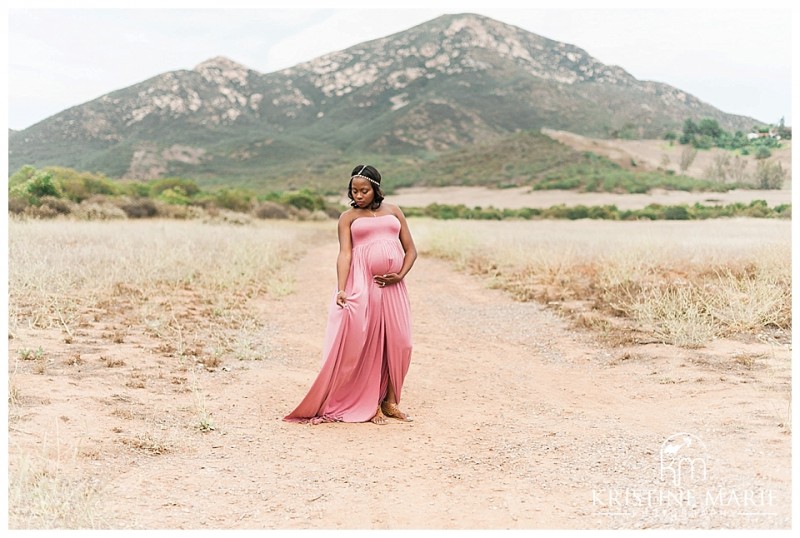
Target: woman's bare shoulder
x=347 y=216
x=394 y=209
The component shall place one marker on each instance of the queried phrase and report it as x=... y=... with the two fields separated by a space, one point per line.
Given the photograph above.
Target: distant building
x=769 y=134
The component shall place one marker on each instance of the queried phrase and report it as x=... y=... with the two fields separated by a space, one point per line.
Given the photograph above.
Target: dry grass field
x=150 y=363
x=683 y=283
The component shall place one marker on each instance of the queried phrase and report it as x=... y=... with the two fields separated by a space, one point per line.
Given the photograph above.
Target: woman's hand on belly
x=387 y=280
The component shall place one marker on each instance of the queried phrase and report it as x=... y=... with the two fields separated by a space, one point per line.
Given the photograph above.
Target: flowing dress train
x=367 y=342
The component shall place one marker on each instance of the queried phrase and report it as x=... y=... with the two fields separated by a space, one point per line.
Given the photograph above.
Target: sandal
x=379 y=417
x=390 y=409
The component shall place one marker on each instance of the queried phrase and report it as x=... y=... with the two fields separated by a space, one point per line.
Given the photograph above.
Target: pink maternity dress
x=367 y=342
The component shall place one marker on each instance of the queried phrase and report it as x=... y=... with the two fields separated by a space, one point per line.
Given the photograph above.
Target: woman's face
x=363 y=194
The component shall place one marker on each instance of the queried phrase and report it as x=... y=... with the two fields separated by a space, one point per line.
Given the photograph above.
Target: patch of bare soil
x=520 y=422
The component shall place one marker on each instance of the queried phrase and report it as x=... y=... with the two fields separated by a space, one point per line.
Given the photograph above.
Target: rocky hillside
x=447 y=84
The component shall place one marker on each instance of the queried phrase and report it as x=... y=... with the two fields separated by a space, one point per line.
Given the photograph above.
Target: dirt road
x=520 y=422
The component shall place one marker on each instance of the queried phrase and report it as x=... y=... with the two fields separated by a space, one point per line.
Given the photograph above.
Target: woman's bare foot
x=379 y=418
x=390 y=409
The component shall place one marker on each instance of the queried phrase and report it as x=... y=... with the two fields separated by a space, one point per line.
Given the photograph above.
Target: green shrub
x=185 y=187
x=174 y=197
x=233 y=199
x=41 y=184
x=763 y=152
x=21 y=176
x=678 y=212
x=78 y=186
x=304 y=199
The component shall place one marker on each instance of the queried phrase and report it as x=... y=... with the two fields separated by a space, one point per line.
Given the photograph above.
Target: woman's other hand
x=387 y=280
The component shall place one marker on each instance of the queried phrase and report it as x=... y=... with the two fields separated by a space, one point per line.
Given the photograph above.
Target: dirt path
x=519 y=423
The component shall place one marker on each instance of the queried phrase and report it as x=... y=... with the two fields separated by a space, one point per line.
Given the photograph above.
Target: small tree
x=737 y=170
x=719 y=169
x=770 y=175
x=710 y=127
x=687 y=158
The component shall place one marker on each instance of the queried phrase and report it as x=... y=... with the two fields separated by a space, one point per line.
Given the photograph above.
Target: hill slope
x=448 y=84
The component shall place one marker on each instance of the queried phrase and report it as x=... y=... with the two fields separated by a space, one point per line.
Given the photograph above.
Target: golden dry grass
x=44 y=499
x=681 y=283
x=150 y=274
x=181 y=288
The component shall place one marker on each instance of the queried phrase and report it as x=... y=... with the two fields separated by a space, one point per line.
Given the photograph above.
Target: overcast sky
x=738 y=60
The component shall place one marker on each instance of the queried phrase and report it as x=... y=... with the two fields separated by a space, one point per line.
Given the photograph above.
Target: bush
x=185 y=187
x=270 y=210
x=233 y=199
x=98 y=210
x=169 y=211
x=42 y=185
x=783 y=210
x=770 y=175
x=228 y=217
x=138 y=208
x=678 y=212
x=21 y=176
x=703 y=142
x=40 y=212
x=763 y=152
x=78 y=186
x=757 y=209
x=332 y=212
x=57 y=205
x=17 y=204
x=688 y=155
x=608 y=212
x=174 y=197
x=304 y=199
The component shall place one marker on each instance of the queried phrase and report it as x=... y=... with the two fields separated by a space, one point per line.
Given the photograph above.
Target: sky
x=737 y=59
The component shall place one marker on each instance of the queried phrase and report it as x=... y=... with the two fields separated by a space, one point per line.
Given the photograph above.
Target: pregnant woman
x=367 y=346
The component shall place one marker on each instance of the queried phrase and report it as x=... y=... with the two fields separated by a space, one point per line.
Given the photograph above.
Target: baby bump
x=384 y=258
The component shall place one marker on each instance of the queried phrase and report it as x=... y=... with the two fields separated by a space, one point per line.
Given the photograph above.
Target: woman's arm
x=408 y=246
x=343 y=260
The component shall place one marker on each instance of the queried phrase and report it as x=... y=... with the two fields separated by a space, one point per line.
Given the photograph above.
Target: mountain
x=402 y=100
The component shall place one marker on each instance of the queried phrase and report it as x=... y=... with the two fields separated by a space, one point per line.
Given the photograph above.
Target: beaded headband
x=364 y=177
